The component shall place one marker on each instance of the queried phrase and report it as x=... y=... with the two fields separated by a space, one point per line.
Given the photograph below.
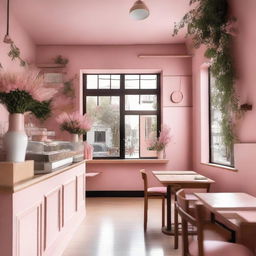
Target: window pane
x=104 y=81
x=140 y=102
x=220 y=154
x=92 y=81
x=132 y=81
x=132 y=136
x=105 y=133
x=115 y=81
x=148 y=132
x=148 y=82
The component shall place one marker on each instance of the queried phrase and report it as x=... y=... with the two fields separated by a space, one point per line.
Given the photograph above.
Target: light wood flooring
x=114 y=227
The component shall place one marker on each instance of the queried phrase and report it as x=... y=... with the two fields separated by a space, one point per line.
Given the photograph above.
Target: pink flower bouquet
x=162 y=141
x=74 y=123
x=25 y=91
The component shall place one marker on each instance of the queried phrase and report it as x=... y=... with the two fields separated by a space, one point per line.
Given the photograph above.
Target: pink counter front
x=39 y=216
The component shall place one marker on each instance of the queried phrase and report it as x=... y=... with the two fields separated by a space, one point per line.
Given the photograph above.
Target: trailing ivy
x=14 y=53
x=210 y=24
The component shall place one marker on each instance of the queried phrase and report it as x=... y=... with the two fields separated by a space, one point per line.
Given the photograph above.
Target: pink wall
x=120 y=176
x=244 y=53
x=21 y=39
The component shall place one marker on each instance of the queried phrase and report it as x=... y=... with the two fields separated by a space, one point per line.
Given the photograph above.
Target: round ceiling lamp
x=139 y=11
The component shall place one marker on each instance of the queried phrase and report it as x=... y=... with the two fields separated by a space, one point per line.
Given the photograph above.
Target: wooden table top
x=174 y=172
x=179 y=179
x=227 y=201
x=91 y=174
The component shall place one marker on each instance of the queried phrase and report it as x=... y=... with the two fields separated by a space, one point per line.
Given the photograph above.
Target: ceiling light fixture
x=139 y=11
x=7 y=38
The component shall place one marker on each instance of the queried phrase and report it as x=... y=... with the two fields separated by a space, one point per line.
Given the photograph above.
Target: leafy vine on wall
x=210 y=24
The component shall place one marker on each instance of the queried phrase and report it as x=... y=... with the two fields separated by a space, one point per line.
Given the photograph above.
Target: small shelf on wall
x=164 y=56
x=127 y=161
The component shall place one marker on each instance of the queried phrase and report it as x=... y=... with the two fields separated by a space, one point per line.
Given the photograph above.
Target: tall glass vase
x=16 y=140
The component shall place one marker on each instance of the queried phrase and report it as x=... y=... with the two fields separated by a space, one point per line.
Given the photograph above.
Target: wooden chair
x=212 y=231
x=152 y=193
x=201 y=246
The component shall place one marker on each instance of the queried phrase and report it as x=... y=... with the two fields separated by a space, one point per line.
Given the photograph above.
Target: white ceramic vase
x=75 y=137
x=160 y=154
x=16 y=140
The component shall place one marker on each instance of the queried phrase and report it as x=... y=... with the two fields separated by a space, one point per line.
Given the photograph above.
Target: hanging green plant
x=68 y=87
x=14 y=53
x=61 y=60
x=210 y=24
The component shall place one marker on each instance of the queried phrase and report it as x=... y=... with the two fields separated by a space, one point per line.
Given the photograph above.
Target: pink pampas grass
x=74 y=123
x=28 y=81
x=160 y=143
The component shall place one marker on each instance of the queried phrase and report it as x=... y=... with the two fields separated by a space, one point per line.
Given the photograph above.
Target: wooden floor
x=114 y=227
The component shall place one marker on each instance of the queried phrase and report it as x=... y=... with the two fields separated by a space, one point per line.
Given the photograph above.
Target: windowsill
x=127 y=161
x=221 y=166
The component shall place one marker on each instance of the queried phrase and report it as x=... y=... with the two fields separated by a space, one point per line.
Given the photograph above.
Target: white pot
x=16 y=140
x=160 y=154
x=75 y=138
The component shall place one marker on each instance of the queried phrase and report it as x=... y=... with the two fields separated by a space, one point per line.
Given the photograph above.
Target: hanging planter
x=210 y=24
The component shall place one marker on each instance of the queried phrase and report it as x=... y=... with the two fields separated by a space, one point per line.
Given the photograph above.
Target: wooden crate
x=12 y=173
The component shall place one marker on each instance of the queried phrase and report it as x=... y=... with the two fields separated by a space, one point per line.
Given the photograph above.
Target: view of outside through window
x=219 y=153
x=136 y=100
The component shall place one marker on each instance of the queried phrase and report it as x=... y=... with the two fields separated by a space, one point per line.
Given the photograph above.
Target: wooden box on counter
x=12 y=173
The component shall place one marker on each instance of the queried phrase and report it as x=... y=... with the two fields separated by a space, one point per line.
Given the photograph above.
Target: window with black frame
x=125 y=110
x=219 y=152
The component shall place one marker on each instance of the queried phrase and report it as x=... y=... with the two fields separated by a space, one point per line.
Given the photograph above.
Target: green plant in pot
x=20 y=93
x=209 y=23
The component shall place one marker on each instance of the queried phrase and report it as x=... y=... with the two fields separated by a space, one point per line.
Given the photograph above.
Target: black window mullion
x=158 y=105
x=122 y=118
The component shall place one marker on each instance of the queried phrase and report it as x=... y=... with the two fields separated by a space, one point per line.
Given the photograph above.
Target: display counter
x=39 y=216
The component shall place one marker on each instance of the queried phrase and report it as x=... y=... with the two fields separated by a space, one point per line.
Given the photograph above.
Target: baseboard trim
x=107 y=193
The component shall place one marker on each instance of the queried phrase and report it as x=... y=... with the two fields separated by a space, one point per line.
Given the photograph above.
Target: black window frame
x=210 y=127
x=121 y=93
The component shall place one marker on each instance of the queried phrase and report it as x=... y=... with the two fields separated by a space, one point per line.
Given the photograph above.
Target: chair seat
x=157 y=191
x=219 y=248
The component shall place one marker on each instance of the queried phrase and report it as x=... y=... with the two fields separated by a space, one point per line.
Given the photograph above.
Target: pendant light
x=139 y=10
x=7 y=38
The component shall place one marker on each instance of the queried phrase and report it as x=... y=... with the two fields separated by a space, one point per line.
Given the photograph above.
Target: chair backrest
x=145 y=180
x=182 y=205
x=181 y=200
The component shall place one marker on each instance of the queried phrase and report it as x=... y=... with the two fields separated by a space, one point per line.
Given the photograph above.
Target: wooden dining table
x=181 y=179
x=230 y=208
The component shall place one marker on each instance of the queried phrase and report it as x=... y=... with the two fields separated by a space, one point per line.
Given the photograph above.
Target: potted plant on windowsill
x=159 y=144
x=75 y=124
x=20 y=93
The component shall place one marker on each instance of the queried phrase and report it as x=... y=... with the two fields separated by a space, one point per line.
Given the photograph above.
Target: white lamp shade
x=139 y=11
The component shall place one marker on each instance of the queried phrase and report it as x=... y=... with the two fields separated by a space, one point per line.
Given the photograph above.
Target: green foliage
x=14 y=53
x=209 y=24
x=41 y=110
x=72 y=127
x=60 y=60
x=68 y=88
x=21 y=101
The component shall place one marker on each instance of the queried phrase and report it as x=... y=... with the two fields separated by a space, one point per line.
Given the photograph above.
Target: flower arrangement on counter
x=159 y=144
x=25 y=92
x=74 y=123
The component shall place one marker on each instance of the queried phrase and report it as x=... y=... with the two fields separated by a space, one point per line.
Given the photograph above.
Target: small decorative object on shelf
x=159 y=144
x=74 y=123
x=20 y=93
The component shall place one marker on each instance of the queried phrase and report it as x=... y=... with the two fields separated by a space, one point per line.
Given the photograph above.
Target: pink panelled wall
x=22 y=40
x=244 y=53
x=126 y=176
